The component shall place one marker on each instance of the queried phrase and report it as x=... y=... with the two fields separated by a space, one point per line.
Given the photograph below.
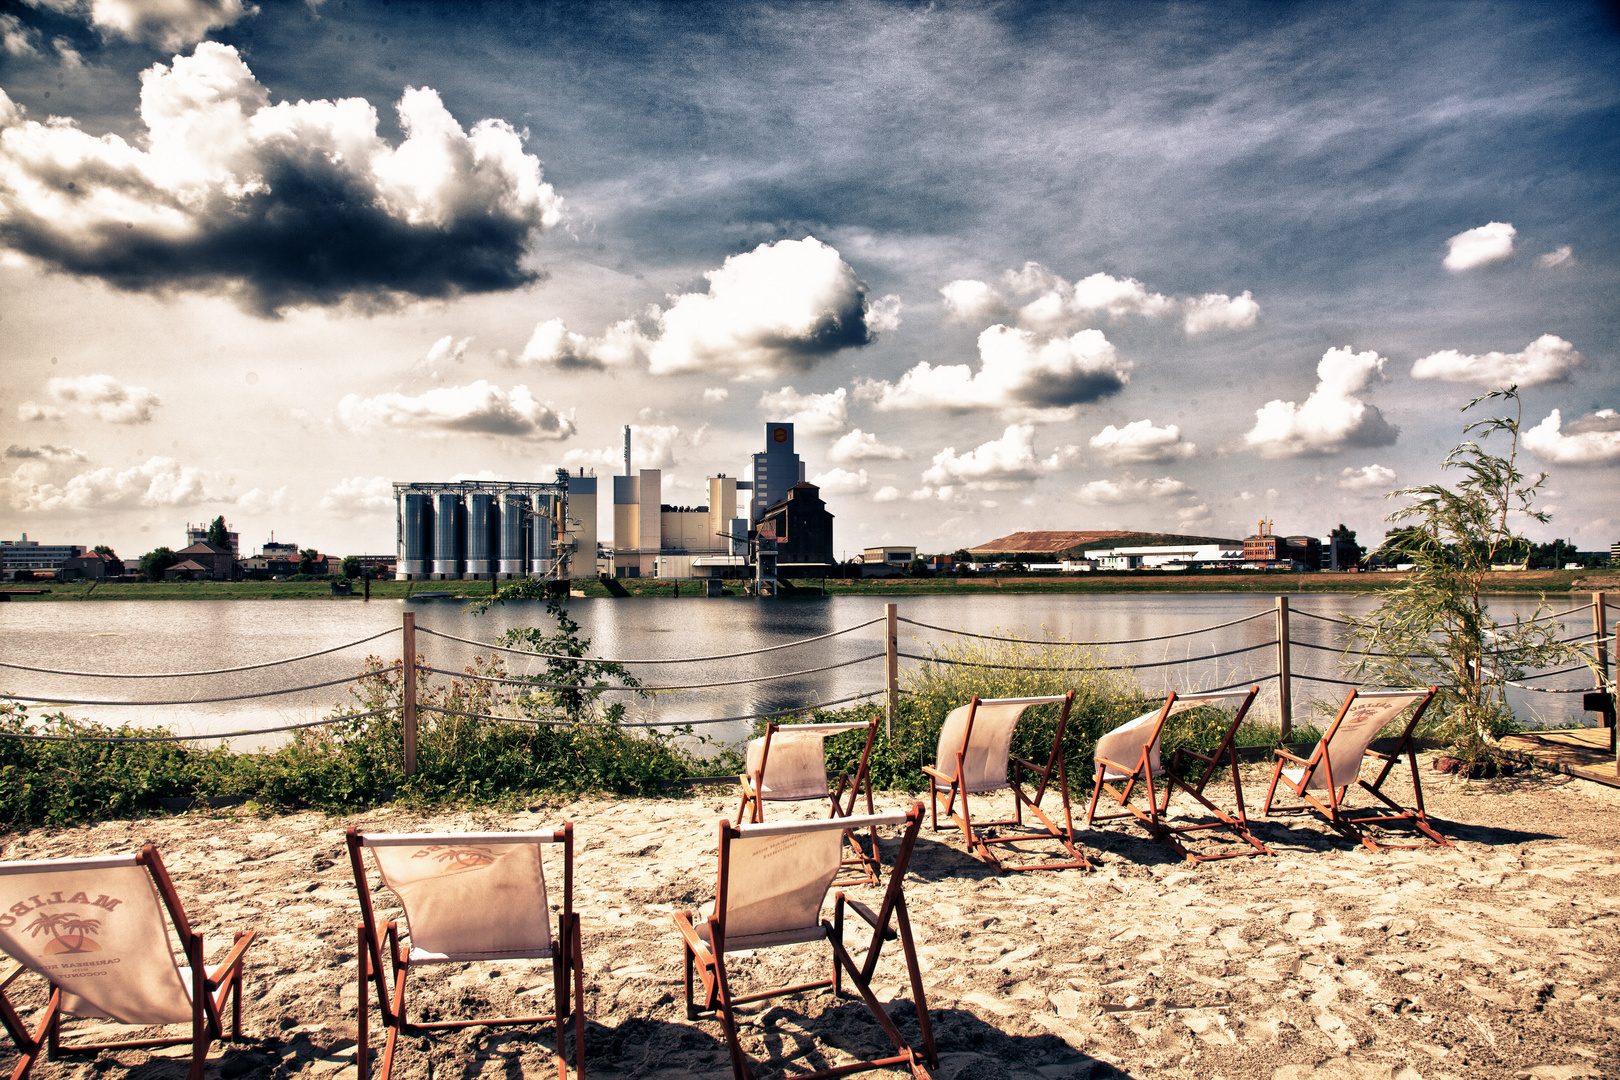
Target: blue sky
x=1175 y=267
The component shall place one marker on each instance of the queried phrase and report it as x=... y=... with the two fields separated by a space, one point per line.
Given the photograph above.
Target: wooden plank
x=1580 y=752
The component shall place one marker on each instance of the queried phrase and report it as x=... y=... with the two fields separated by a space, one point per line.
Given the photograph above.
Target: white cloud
x=166 y=24
x=1039 y=299
x=225 y=192
x=359 y=495
x=1593 y=440
x=1560 y=257
x=714 y=395
x=159 y=482
x=842 y=482
x=652 y=446
x=1140 y=441
x=1332 y=418
x=858 y=445
x=16 y=39
x=1366 y=478
x=259 y=501
x=45 y=452
x=1480 y=247
x=480 y=408
x=446 y=348
x=1548 y=359
x=1128 y=490
x=886 y=493
x=998 y=465
x=813 y=414
x=1020 y=375
x=621 y=346
x=101 y=396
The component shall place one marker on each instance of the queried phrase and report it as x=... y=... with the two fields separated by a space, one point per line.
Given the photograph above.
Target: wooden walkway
x=1582 y=752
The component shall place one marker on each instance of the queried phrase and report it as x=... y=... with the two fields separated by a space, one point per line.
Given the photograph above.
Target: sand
x=1496 y=958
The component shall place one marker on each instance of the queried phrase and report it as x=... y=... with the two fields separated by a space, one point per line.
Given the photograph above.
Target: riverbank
x=1524 y=582
x=1495 y=959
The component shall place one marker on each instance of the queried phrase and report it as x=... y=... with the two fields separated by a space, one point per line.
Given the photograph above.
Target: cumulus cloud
x=858 y=445
x=842 y=482
x=886 y=493
x=260 y=501
x=1366 y=478
x=481 y=408
x=553 y=343
x=166 y=24
x=1040 y=299
x=1480 y=247
x=1332 y=418
x=813 y=414
x=159 y=482
x=1559 y=257
x=998 y=465
x=359 y=495
x=1119 y=492
x=1140 y=441
x=1021 y=375
x=1592 y=440
x=45 y=452
x=1548 y=359
x=101 y=396
x=653 y=446
x=16 y=39
x=277 y=205
x=714 y=395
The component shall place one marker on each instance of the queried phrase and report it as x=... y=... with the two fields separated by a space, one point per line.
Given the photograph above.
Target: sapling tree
x=1435 y=627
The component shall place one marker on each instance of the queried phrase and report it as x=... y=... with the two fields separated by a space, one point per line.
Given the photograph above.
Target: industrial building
x=1224 y=553
x=776 y=470
x=496 y=529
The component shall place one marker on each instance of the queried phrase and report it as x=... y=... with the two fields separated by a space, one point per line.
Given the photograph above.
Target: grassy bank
x=1529 y=582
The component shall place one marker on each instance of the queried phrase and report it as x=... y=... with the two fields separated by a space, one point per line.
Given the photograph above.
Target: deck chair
x=973 y=758
x=796 y=757
x=1131 y=753
x=95 y=929
x=772 y=884
x=1336 y=763
x=468 y=897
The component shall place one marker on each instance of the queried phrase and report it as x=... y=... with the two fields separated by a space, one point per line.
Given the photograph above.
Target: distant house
x=188 y=570
x=91 y=566
x=213 y=563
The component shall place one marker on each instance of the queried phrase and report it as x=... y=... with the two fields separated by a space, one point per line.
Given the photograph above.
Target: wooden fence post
x=408 y=649
x=1285 y=689
x=891 y=652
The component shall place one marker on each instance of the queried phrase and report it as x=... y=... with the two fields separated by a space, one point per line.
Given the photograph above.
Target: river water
x=178 y=636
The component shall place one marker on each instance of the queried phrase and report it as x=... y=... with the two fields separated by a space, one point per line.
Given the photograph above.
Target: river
x=170 y=636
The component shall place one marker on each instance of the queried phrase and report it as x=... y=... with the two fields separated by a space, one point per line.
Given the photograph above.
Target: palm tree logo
x=70 y=932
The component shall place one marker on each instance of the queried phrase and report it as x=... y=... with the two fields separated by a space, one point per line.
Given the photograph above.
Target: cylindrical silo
x=481 y=523
x=448 y=518
x=541 y=528
x=509 y=553
x=415 y=530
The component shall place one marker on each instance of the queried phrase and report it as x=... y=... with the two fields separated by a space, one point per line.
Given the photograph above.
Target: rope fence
x=194 y=674
x=653 y=689
x=669 y=660
x=1085 y=644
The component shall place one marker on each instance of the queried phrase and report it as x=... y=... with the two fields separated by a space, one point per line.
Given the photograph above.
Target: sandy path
x=1498 y=958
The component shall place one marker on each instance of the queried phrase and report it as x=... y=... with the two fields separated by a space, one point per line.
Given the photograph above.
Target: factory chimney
x=627 y=449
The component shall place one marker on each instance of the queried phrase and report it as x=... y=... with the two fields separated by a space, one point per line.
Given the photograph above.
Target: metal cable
x=1101 y=667
x=649 y=724
x=1318 y=678
x=1083 y=644
x=1550 y=674
x=197 y=701
x=1548 y=690
x=1330 y=648
x=192 y=738
x=189 y=674
x=653 y=689
x=1343 y=622
x=1313 y=615
x=670 y=660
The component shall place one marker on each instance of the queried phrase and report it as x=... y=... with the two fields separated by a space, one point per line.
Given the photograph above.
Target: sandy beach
x=1496 y=958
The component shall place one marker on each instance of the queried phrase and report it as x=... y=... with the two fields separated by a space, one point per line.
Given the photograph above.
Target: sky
x=1168 y=267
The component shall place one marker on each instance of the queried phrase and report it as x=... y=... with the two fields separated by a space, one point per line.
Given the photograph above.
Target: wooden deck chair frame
x=707 y=958
x=374 y=937
x=209 y=992
x=866 y=865
x=955 y=786
x=1352 y=824
x=1141 y=773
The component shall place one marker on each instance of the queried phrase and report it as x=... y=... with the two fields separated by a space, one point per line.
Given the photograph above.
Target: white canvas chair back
x=468 y=896
x=777 y=877
x=1347 y=742
x=96 y=928
x=1124 y=744
x=984 y=764
x=796 y=767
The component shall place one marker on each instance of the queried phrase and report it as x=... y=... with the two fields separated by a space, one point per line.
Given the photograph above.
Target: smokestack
x=627 y=449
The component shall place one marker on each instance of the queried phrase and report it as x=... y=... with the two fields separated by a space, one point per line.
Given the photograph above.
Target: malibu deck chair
x=1131 y=753
x=975 y=752
x=1336 y=763
x=773 y=881
x=795 y=755
x=95 y=930
x=475 y=897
